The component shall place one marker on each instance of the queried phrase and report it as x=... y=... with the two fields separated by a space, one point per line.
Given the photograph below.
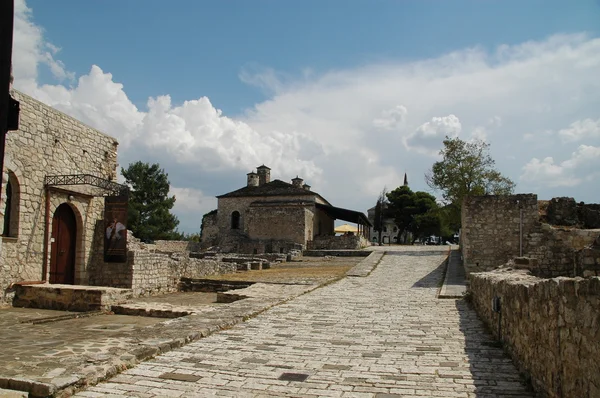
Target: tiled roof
x=273 y=188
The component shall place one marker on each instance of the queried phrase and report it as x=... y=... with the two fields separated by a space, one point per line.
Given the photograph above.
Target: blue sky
x=194 y=48
x=349 y=94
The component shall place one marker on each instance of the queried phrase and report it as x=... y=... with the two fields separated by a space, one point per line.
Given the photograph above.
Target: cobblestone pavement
x=385 y=335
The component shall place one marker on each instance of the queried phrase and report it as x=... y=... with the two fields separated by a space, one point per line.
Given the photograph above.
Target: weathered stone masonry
x=490 y=229
x=49 y=142
x=550 y=327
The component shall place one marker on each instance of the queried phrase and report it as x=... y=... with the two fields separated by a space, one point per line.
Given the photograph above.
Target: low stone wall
x=350 y=242
x=69 y=297
x=149 y=272
x=156 y=273
x=550 y=327
x=172 y=246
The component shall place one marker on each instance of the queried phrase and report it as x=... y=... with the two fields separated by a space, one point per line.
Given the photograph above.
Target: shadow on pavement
x=493 y=372
x=434 y=278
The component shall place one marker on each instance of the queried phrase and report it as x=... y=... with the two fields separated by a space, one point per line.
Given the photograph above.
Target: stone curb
x=450 y=288
x=366 y=266
x=172 y=334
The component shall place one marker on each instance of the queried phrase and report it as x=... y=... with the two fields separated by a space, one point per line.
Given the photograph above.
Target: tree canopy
x=149 y=216
x=380 y=212
x=414 y=212
x=466 y=168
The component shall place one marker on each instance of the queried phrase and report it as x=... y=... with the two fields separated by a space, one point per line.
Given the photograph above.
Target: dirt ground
x=307 y=270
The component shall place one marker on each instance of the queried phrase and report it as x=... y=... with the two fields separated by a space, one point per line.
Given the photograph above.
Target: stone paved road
x=385 y=335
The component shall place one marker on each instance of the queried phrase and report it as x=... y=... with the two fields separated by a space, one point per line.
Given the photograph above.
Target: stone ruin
x=541 y=260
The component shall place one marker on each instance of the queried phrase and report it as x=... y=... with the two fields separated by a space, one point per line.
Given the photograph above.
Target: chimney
x=297 y=182
x=264 y=175
x=306 y=186
x=252 y=179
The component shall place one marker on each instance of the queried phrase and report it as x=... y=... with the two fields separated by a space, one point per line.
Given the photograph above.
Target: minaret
x=405 y=180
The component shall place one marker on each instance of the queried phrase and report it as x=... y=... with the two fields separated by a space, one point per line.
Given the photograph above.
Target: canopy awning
x=342 y=229
x=339 y=213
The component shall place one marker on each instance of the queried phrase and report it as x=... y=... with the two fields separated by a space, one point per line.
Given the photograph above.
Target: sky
x=349 y=95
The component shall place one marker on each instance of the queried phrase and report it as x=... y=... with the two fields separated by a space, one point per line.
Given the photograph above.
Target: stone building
x=55 y=175
x=276 y=216
x=389 y=230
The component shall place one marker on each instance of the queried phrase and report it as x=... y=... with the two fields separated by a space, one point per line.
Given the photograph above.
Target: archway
x=64 y=237
x=235 y=220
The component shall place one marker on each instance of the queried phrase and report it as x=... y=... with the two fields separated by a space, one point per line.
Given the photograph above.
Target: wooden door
x=62 y=257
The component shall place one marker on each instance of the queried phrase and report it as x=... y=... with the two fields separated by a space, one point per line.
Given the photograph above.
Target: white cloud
x=428 y=137
x=30 y=50
x=190 y=205
x=333 y=128
x=582 y=165
x=479 y=133
x=391 y=119
x=580 y=130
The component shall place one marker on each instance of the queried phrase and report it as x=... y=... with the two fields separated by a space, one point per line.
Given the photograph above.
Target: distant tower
x=264 y=175
x=405 y=180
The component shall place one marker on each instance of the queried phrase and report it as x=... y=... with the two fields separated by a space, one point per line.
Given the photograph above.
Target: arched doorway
x=62 y=257
x=235 y=220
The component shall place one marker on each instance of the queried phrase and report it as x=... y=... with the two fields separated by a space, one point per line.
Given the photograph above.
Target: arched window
x=11 y=207
x=235 y=220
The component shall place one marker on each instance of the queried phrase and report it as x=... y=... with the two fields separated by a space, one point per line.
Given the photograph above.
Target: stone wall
x=151 y=272
x=323 y=224
x=350 y=242
x=550 y=327
x=209 y=230
x=588 y=262
x=566 y=212
x=556 y=250
x=175 y=246
x=226 y=206
x=282 y=221
x=156 y=273
x=490 y=228
x=49 y=142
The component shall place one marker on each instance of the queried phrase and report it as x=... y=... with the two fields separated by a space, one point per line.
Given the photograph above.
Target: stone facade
x=496 y=229
x=550 y=327
x=389 y=233
x=267 y=216
x=490 y=234
x=49 y=142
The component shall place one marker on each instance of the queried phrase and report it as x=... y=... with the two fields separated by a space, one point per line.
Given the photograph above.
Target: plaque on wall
x=115 y=229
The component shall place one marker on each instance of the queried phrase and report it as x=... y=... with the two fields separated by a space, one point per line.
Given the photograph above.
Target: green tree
x=402 y=208
x=427 y=220
x=149 y=216
x=466 y=168
x=414 y=212
x=380 y=213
